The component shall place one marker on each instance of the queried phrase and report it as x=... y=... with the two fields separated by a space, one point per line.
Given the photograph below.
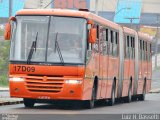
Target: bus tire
x=142 y=96
x=129 y=97
x=111 y=101
x=29 y=103
x=90 y=103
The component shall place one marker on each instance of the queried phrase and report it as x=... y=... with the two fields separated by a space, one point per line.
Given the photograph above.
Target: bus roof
x=71 y=13
x=144 y=37
x=82 y=14
x=58 y=12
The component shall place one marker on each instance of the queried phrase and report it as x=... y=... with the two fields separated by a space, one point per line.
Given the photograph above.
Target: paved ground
x=150 y=105
x=5 y=97
x=156 y=79
x=69 y=112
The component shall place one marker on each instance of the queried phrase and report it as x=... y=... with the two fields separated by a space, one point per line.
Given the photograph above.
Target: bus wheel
x=90 y=103
x=111 y=101
x=142 y=96
x=29 y=102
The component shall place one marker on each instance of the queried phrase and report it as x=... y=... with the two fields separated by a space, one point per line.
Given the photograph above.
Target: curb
x=155 y=90
x=10 y=103
x=4 y=89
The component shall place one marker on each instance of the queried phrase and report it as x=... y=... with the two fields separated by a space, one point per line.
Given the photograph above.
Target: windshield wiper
x=58 y=49
x=32 y=49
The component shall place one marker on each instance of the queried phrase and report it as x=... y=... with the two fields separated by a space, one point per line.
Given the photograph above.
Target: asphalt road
x=156 y=79
x=150 y=105
x=69 y=112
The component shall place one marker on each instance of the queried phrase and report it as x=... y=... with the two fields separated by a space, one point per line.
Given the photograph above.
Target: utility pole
x=131 y=21
x=96 y=7
x=156 y=43
x=10 y=8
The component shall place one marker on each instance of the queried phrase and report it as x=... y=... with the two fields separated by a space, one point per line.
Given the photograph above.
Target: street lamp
x=127 y=8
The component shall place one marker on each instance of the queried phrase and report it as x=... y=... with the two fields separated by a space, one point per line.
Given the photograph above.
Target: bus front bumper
x=46 y=90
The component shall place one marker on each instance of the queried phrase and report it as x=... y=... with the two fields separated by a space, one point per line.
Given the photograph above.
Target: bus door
x=140 y=66
x=145 y=64
x=103 y=61
x=132 y=60
x=126 y=65
x=149 y=77
x=112 y=64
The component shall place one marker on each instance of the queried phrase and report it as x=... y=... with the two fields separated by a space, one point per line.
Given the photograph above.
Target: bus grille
x=44 y=84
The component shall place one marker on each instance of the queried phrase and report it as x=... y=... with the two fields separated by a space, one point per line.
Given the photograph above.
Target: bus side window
x=97 y=31
x=117 y=44
x=111 y=43
x=95 y=47
x=150 y=48
x=140 y=41
x=130 y=47
x=133 y=47
x=114 y=44
x=143 y=51
x=146 y=51
x=150 y=45
x=107 y=43
x=104 y=43
x=127 y=48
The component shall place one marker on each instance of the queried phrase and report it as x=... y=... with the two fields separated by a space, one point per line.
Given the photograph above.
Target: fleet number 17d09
x=24 y=69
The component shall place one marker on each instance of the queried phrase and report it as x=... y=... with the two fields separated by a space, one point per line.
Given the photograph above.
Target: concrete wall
x=104 y=5
x=151 y=6
x=33 y=4
x=148 y=6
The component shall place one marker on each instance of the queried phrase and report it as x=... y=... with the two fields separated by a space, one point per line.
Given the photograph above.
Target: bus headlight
x=16 y=79
x=73 y=81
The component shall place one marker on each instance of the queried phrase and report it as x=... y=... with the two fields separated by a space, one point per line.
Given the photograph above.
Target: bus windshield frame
x=56 y=38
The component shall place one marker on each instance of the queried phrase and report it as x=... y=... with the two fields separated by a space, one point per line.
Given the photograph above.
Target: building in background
x=145 y=12
x=35 y=4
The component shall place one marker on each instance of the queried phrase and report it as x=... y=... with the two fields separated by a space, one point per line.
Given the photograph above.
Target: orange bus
x=59 y=54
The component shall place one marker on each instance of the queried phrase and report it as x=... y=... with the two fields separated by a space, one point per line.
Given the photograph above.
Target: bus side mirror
x=92 y=35
x=7 y=32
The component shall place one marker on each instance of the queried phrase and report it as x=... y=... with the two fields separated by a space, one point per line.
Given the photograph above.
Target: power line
x=49 y=4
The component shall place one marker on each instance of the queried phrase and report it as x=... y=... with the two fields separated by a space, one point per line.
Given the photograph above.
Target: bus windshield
x=49 y=39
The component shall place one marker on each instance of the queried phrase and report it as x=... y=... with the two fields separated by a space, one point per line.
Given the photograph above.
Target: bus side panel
x=149 y=77
x=140 y=80
x=112 y=73
x=132 y=73
x=117 y=76
x=103 y=75
x=90 y=73
x=87 y=89
x=126 y=78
